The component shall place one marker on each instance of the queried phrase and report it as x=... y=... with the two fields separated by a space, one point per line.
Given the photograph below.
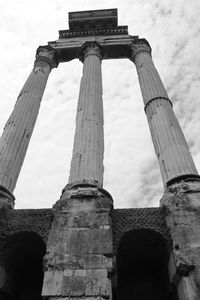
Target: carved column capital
x=90 y=48
x=140 y=46
x=46 y=55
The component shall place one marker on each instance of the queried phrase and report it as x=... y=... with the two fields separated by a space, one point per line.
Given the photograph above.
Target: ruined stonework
x=79 y=248
x=83 y=248
x=181 y=201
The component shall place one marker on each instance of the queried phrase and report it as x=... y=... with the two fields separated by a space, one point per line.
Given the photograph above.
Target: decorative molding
x=90 y=48
x=139 y=47
x=83 y=189
x=46 y=55
x=157 y=98
x=65 y=34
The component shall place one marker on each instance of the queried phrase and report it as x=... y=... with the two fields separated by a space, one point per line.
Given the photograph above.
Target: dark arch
x=142 y=266
x=21 y=258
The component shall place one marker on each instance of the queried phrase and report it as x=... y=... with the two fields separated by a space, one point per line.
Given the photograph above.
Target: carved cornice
x=46 y=55
x=140 y=46
x=120 y=30
x=90 y=48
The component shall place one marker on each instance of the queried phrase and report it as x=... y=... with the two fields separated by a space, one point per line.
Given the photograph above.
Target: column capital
x=90 y=48
x=47 y=55
x=139 y=46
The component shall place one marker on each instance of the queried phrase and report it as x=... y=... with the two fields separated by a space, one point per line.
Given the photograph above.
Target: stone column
x=19 y=127
x=79 y=248
x=169 y=142
x=87 y=160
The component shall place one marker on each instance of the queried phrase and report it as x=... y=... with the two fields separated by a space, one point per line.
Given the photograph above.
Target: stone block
x=80 y=273
x=87 y=241
x=73 y=286
x=91 y=219
x=85 y=261
x=98 y=287
x=68 y=272
x=52 y=284
x=98 y=273
x=193 y=235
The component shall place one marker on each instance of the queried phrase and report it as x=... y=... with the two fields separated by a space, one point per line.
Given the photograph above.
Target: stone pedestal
x=87 y=159
x=19 y=127
x=79 y=248
x=182 y=203
x=170 y=145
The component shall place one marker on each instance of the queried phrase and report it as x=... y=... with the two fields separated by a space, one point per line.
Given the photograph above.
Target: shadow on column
x=142 y=267
x=21 y=267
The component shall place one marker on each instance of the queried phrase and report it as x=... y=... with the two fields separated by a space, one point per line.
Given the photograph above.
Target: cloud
x=131 y=172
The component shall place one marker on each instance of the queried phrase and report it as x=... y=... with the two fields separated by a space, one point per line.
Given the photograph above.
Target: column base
x=86 y=188
x=186 y=177
x=7 y=199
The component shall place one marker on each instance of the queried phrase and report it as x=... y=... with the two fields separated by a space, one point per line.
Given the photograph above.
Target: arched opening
x=142 y=267
x=21 y=261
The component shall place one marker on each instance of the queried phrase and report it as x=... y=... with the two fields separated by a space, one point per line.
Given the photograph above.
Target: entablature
x=100 y=26
x=113 y=47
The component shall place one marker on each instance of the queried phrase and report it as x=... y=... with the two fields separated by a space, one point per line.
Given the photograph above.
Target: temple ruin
x=84 y=248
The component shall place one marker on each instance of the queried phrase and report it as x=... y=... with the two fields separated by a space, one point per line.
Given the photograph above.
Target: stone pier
x=169 y=142
x=19 y=127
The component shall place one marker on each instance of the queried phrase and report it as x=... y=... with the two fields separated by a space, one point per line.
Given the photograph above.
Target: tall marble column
x=87 y=159
x=169 y=142
x=19 y=127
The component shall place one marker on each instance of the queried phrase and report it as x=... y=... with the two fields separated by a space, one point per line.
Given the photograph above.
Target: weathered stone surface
x=98 y=287
x=183 y=219
x=83 y=241
x=81 y=261
x=53 y=281
x=73 y=286
x=84 y=201
x=80 y=246
x=96 y=220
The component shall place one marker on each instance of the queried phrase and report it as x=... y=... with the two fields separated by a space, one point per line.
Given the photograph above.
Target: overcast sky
x=132 y=174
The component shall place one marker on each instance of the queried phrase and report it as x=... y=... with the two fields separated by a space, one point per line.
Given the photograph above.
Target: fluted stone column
x=87 y=160
x=19 y=127
x=169 y=142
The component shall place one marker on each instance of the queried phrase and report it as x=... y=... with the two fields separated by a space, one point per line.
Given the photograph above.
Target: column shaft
x=169 y=142
x=87 y=160
x=19 y=127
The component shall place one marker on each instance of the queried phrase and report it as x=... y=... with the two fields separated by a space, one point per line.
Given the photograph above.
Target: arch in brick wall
x=142 y=267
x=21 y=266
